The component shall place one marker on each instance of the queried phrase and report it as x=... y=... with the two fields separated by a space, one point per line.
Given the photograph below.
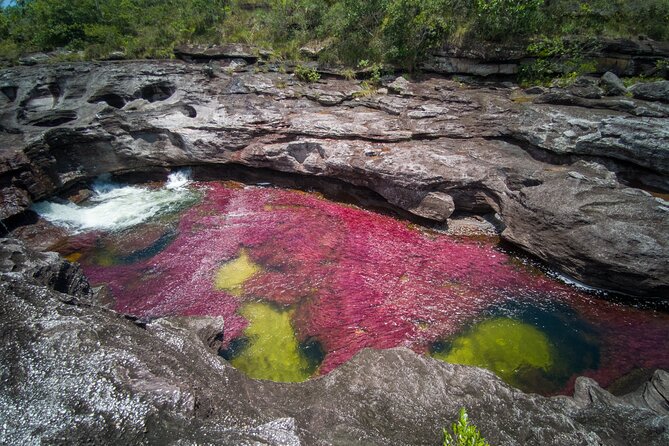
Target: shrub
x=557 y=57
x=402 y=32
x=464 y=434
x=306 y=74
x=503 y=19
x=411 y=28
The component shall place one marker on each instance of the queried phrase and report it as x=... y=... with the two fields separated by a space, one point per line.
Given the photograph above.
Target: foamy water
x=115 y=206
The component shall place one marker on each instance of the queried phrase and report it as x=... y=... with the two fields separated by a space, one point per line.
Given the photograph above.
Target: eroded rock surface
x=74 y=372
x=554 y=167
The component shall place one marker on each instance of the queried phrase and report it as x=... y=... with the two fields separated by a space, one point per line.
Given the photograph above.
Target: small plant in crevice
x=371 y=84
x=306 y=74
x=348 y=74
x=464 y=434
x=641 y=79
x=662 y=68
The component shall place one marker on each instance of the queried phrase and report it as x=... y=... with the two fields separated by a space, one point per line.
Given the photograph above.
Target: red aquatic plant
x=357 y=279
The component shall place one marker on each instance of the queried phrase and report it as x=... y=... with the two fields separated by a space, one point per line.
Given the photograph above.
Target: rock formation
x=556 y=168
x=75 y=372
x=624 y=57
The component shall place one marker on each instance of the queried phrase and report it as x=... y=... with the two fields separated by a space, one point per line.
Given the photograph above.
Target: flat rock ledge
x=74 y=372
x=566 y=174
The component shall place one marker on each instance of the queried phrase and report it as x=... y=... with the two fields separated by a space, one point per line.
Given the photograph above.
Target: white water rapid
x=115 y=206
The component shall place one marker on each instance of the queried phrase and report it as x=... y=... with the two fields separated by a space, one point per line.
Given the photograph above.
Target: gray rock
x=536 y=90
x=629 y=57
x=436 y=206
x=651 y=91
x=612 y=84
x=313 y=49
x=73 y=372
x=488 y=153
x=585 y=88
x=34 y=59
x=399 y=86
x=216 y=52
x=46 y=269
x=116 y=55
x=457 y=65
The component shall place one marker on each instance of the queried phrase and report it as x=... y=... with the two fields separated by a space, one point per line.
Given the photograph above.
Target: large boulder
x=207 y=53
x=612 y=84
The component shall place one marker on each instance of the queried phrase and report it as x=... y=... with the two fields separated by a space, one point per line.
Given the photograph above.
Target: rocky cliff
x=560 y=168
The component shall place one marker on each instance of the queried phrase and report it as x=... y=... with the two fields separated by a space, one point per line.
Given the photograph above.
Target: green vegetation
x=464 y=434
x=504 y=346
x=306 y=74
x=272 y=351
x=232 y=275
x=348 y=31
x=558 y=58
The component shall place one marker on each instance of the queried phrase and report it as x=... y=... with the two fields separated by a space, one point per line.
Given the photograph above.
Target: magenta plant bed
x=355 y=279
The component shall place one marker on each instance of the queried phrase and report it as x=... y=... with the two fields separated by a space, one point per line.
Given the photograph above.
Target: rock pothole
x=10 y=92
x=49 y=118
x=42 y=96
x=112 y=99
x=155 y=92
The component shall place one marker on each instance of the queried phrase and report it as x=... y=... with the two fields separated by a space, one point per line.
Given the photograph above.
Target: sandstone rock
x=536 y=90
x=629 y=57
x=399 y=86
x=313 y=49
x=476 y=67
x=612 y=84
x=15 y=200
x=651 y=91
x=46 y=269
x=116 y=55
x=215 y=52
x=585 y=87
x=436 y=206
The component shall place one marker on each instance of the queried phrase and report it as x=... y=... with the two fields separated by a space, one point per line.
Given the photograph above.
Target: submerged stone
x=272 y=351
x=502 y=345
x=232 y=275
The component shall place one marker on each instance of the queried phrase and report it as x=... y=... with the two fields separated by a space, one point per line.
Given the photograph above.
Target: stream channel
x=303 y=283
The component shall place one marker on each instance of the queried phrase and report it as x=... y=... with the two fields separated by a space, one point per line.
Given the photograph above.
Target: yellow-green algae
x=273 y=351
x=232 y=275
x=502 y=345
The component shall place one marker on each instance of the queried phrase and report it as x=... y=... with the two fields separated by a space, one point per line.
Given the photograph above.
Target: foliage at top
x=464 y=434
x=382 y=31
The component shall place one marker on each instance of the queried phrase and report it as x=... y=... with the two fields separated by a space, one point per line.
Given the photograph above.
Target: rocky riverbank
x=76 y=372
x=563 y=170
x=566 y=173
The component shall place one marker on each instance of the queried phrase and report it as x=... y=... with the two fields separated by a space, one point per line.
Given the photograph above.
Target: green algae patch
x=231 y=276
x=272 y=351
x=504 y=346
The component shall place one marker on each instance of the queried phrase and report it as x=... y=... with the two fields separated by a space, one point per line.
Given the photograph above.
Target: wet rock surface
x=75 y=372
x=555 y=168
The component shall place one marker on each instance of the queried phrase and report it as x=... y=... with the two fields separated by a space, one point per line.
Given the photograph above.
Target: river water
x=304 y=283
